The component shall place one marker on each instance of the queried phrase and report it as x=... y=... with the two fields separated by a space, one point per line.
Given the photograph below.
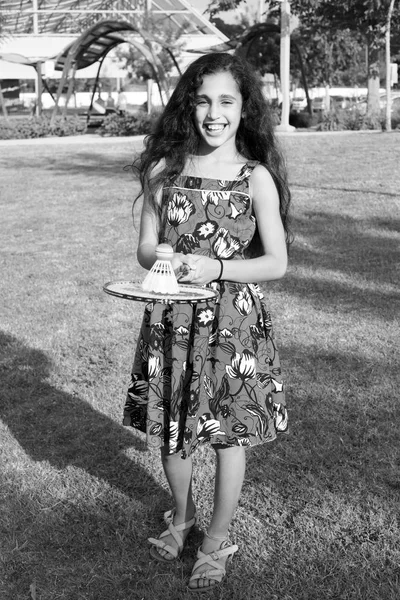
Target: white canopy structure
x=39 y=30
x=66 y=17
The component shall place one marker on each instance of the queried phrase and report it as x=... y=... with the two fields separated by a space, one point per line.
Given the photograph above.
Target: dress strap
x=244 y=173
x=247 y=169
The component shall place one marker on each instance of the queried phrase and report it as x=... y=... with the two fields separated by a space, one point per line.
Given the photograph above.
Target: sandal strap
x=174 y=531
x=169 y=517
x=217 y=571
x=213 y=574
x=211 y=559
x=170 y=549
x=216 y=555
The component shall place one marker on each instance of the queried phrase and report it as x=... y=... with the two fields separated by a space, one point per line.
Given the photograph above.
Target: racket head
x=188 y=294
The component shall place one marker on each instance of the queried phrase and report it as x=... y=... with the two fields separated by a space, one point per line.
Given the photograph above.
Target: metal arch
x=95 y=43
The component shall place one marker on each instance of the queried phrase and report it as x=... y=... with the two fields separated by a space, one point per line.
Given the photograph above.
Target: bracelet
x=221 y=271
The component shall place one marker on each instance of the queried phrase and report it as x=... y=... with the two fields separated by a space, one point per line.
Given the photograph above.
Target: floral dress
x=208 y=372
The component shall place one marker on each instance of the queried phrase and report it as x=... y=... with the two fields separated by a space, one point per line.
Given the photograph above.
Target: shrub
x=302 y=119
x=68 y=126
x=35 y=127
x=276 y=111
x=139 y=123
x=396 y=118
x=396 y=121
x=333 y=120
x=359 y=120
x=353 y=119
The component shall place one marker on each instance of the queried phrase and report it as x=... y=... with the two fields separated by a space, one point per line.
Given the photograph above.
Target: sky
x=200 y=5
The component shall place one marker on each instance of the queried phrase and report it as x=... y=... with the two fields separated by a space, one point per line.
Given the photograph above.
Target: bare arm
x=148 y=234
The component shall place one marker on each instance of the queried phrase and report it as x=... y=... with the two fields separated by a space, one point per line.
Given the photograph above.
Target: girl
x=215 y=189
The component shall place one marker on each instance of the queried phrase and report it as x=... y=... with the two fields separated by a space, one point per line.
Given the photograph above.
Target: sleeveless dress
x=208 y=372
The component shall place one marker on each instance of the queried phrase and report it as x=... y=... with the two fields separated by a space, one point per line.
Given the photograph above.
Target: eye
x=201 y=102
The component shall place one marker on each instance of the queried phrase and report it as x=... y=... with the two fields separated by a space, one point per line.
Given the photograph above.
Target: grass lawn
x=80 y=494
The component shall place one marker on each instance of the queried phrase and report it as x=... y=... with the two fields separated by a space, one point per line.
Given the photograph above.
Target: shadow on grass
x=344 y=431
x=77 y=161
x=326 y=496
x=364 y=254
x=54 y=426
x=337 y=448
x=341 y=296
x=389 y=224
x=86 y=541
x=342 y=189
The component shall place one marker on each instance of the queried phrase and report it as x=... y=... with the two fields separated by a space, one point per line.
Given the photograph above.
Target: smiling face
x=218 y=111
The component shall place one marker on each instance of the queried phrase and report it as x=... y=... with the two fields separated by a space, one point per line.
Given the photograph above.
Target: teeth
x=215 y=127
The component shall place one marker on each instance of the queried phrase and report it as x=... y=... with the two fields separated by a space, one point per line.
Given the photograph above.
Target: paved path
x=89 y=138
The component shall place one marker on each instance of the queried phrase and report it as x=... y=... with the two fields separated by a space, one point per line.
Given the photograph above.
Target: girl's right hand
x=184 y=266
x=198 y=269
x=181 y=265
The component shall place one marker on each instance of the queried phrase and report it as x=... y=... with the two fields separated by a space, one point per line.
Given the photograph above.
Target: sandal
x=216 y=572
x=172 y=530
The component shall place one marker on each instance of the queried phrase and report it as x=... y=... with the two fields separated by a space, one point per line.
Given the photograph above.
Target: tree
x=387 y=49
x=3 y=36
x=231 y=30
x=330 y=24
x=259 y=45
x=332 y=57
x=367 y=19
x=164 y=40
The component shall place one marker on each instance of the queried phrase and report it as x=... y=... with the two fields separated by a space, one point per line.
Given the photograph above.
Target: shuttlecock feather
x=161 y=277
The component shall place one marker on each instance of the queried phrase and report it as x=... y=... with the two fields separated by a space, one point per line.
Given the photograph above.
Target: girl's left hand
x=198 y=270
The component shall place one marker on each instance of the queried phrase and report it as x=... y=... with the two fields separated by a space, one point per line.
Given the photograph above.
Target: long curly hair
x=175 y=135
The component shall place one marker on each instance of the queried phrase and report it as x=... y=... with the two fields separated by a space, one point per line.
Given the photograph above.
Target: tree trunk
x=327 y=99
x=3 y=104
x=388 y=115
x=373 y=106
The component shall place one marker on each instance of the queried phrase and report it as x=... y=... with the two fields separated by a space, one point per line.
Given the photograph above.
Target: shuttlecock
x=161 y=277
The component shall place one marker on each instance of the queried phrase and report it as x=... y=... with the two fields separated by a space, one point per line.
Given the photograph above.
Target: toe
x=165 y=554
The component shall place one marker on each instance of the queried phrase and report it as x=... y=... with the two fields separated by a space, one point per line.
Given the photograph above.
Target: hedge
x=36 y=127
x=139 y=123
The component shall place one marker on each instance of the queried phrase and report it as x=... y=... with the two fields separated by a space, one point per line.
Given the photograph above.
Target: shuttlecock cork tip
x=164 y=252
x=161 y=277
